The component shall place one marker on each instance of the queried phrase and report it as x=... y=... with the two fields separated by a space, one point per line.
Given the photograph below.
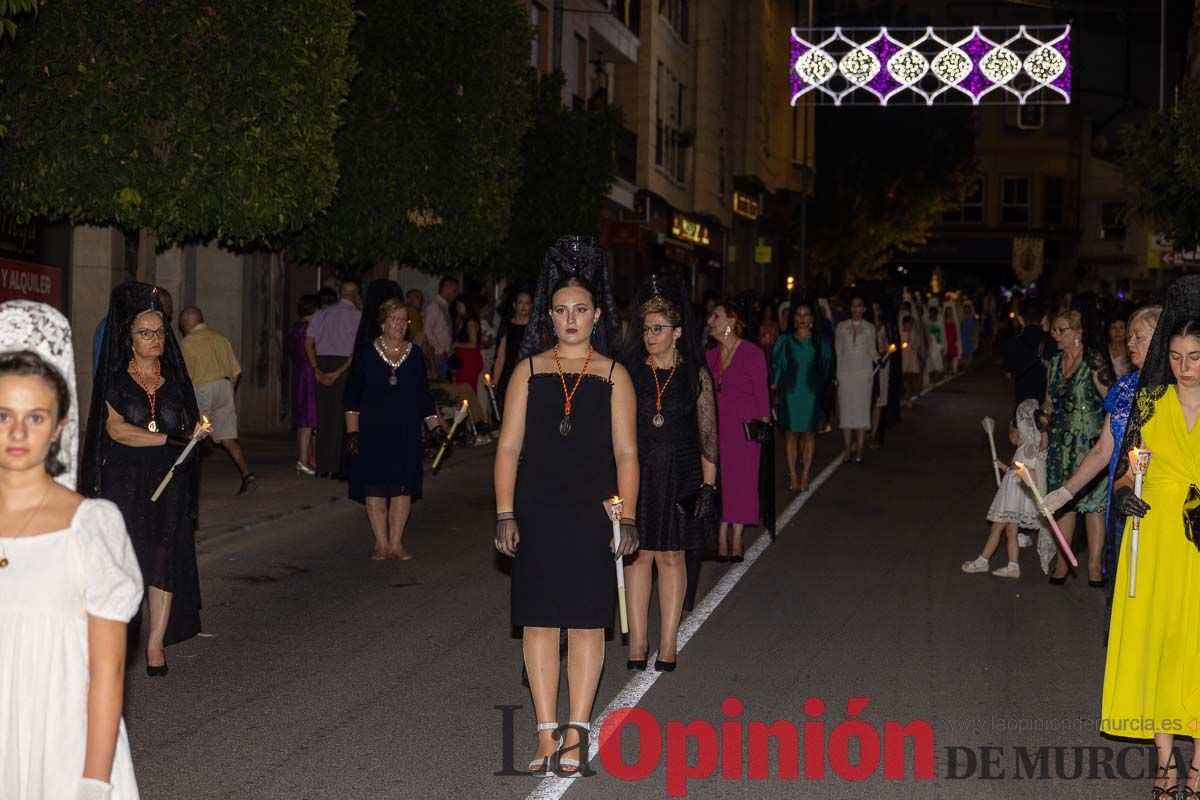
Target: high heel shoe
x=664 y=666
x=571 y=767
x=737 y=558
x=157 y=672
x=541 y=767
x=305 y=469
x=1096 y=584
x=721 y=558
x=1168 y=792
x=636 y=663
x=1058 y=581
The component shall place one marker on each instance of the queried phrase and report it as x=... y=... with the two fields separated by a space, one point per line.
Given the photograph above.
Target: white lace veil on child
x=1030 y=453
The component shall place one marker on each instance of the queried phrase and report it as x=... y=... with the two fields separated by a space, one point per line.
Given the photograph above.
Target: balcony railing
x=627 y=155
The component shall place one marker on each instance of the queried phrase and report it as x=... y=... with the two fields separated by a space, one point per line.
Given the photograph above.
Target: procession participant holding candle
x=1106 y=451
x=1014 y=506
x=1077 y=383
x=912 y=361
x=1151 y=684
x=69 y=582
x=143 y=414
x=567 y=443
x=508 y=348
x=801 y=368
x=886 y=371
x=388 y=406
x=677 y=455
x=854 y=342
x=740 y=373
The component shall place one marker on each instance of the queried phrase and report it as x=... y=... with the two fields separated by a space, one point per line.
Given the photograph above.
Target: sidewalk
x=282 y=493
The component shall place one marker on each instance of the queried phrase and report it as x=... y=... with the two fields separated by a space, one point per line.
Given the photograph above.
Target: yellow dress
x=1152 y=671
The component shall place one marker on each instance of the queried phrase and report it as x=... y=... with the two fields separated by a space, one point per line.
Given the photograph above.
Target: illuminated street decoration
x=853 y=66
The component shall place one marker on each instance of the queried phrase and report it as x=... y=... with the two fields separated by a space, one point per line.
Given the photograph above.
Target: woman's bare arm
x=129 y=434
x=512 y=437
x=624 y=436
x=106 y=692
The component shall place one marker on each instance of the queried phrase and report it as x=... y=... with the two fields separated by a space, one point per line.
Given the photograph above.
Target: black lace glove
x=175 y=440
x=507 y=534
x=438 y=436
x=629 y=538
x=706 y=501
x=352 y=443
x=1129 y=504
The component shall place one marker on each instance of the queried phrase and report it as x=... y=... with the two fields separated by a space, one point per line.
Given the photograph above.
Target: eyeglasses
x=150 y=334
x=1060 y=330
x=656 y=329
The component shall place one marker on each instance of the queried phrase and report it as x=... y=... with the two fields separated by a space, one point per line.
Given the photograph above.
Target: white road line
x=552 y=788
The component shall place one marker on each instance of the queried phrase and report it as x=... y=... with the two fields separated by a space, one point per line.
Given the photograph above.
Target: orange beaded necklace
x=564 y=427
x=659 y=390
x=151 y=394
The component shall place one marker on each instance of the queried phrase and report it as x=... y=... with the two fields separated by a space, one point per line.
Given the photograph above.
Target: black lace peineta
x=570 y=256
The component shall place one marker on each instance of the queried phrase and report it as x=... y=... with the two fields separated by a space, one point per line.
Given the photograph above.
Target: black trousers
x=331 y=416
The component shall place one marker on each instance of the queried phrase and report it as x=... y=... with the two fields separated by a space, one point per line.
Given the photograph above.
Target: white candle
x=204 y=428
x=1041 y=504
x=459 y=416
x=615 y=506
x=1139 y=461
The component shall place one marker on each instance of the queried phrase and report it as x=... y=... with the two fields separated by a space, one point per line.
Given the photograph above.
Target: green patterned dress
x=1076 y=420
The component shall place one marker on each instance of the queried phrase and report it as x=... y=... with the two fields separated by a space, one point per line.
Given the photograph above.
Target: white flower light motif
x=1045 y=64
x=1000 y=65
x=908 y=67
x=951 y=65
x=815 y=66
x=859 y=66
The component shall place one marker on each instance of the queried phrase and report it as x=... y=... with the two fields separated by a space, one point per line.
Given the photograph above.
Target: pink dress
x=741 y=395
x=304 y=383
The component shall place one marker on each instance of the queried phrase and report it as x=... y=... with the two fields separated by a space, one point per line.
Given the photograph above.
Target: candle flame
x=904 y=345
x=1019 y=466
x=1012 y=315
x=891 y=348
x=614 y=499
x=464 y=404
x=487 y=378
x=204 y=423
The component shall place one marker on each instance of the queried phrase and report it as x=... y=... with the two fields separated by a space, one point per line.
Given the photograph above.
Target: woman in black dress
x=387 y=406
x=508 y=349
x=568 y=443
x=143 y=413
x=677 y=454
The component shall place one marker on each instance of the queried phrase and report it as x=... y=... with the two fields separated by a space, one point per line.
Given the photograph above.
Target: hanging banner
x=1028 y=257
x=23 y=280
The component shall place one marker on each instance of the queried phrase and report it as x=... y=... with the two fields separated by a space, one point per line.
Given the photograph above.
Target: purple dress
x=304 y=383
x=741 y=395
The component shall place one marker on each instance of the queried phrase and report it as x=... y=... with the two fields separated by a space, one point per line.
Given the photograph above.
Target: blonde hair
x=661 y=305
x=390 y=306
x=1074 y=319
x=1146 y=315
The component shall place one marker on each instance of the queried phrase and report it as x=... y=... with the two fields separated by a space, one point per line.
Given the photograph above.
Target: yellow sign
x=763 y=254
x=1157 y=246
x=745 y=206
x=689 y=230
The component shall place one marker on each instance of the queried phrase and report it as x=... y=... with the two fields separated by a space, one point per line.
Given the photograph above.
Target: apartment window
x=1054 y=201
x=1030 y=117
x=659 y=127
x=1014 y=202
x=681 y=146
x=581 y=65
x=676 y=14
x=541 y=37
x=971 y=207
x=1112 y=221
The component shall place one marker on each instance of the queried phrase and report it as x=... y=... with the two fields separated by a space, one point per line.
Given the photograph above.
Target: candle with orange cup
x=613 y=506
x=459 y=416
x=1139 y=461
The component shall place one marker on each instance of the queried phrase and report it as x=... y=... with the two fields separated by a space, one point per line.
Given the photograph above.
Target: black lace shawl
x=693 y=369
x=1182 y=303
x=573 y=256
x=125 y=304
x=369 y=329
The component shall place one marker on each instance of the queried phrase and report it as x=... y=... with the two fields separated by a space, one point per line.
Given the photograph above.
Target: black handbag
x=690 y=505
x=757 y=430
x=1191 y=516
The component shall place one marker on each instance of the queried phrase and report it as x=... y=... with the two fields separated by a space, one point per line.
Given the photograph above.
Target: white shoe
x=1007 y=571
x=542 y=767
x=975 y=565
x=1024 y=540
x=305 y=469
x=575 y=768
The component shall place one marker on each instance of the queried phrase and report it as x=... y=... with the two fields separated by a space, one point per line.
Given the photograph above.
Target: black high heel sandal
x=1168 y=792
x=636 y=663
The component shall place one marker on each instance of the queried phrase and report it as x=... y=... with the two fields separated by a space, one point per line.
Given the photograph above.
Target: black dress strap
x=611 y=367
x=531 y=372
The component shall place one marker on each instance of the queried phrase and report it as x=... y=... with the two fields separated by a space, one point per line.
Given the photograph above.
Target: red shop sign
x=23 y=280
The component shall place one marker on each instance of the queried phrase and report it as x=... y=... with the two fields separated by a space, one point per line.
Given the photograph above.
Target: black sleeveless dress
x=669 y=462
x=564 y=574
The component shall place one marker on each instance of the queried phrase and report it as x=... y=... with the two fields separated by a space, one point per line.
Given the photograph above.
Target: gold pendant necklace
x=29 y=519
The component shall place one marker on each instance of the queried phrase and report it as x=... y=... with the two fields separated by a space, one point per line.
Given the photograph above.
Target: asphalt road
x=325 y=675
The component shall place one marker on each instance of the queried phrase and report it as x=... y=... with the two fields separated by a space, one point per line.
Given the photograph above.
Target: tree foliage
x=887 y=176
x=13 y=8
x=567 y=168
x=431 y=146
x=1161 y=161
x=194 y=120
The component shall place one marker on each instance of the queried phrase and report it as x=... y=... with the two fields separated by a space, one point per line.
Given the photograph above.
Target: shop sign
x=745 y=206
x=689 y=230
x=763 y=254
x=22 y=280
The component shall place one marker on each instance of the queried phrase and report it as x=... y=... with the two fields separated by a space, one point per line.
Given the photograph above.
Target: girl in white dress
x=854 y=342
x=1014 y=507
x=69 y=583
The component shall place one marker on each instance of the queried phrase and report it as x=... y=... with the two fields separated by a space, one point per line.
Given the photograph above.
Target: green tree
x=886 y=175
x=431 y=146
x=178 y=119
x=13 y=8
x=567 y=168
x=1161 y=161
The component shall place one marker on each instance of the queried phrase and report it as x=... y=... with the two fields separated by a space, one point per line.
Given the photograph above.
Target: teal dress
x=801 y=378
x=1076 y=420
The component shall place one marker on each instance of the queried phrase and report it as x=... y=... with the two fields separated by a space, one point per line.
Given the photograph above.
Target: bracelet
x=630 y=520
